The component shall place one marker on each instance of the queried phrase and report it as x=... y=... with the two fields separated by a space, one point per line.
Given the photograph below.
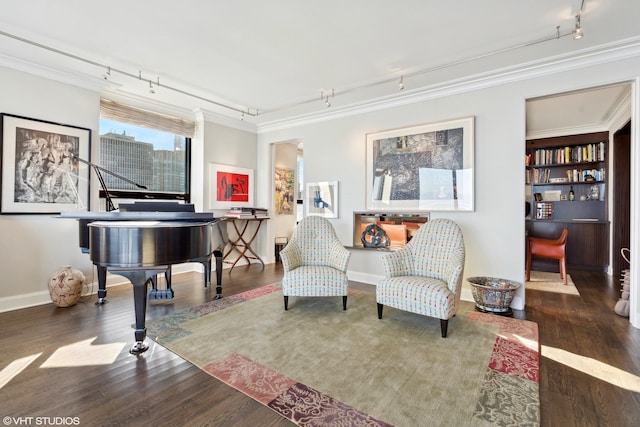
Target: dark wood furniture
x=555 y=166
x=242 y=240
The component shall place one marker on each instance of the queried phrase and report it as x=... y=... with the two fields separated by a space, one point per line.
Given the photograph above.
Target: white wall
x=34 y=246
x=494 y=233
x=231 y=146
x=227 y=146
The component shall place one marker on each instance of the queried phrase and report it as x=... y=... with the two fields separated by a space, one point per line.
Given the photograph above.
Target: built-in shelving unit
x=566 y=180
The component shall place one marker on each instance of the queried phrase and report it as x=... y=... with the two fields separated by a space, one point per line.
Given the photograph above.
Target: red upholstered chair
x=548 y=248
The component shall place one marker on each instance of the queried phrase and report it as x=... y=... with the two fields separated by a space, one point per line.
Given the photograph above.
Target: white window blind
x=137 y=116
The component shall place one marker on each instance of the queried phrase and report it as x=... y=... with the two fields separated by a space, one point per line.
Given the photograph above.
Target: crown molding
x=621 y=114
x=74 y=79
x=565 y=131
x=615 y=51
x=221 y=119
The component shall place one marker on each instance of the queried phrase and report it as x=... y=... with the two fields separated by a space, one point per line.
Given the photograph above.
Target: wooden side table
x=245 y=236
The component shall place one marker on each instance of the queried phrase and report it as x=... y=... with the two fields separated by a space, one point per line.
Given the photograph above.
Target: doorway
x=286 y=173
x=574 y=114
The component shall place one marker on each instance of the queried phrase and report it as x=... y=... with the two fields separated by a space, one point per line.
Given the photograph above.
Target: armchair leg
x=563 y=270
x=443 y=327
x=344 y=302
x=380 y=307
x=286 y=303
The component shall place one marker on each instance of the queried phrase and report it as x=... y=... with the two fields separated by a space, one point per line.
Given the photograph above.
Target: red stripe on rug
x=256 y=381
x=295 y=401
x=514 y=358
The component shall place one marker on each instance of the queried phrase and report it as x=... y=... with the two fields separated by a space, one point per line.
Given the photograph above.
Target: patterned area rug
x=316 y=364
x=551 y=282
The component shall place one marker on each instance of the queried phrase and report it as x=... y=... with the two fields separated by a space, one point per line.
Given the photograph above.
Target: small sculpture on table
x=374 y=236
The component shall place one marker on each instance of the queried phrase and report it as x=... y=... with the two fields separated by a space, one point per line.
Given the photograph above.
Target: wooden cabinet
x=567 y=187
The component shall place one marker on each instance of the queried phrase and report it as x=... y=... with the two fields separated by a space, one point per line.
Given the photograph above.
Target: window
x=143 y=158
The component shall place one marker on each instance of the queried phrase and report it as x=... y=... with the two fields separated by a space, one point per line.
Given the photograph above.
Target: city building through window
x=143 y=161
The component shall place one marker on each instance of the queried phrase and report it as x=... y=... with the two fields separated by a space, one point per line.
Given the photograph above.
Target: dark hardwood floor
x=161 y=389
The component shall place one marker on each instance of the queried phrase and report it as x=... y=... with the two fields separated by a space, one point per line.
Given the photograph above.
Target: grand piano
x=139 y=244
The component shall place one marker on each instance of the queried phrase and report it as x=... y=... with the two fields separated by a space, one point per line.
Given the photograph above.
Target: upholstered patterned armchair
x=425 y=276
x=314 y=262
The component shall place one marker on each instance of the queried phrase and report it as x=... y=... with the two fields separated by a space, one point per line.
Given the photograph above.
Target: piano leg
x=140 y=280
x=207 y=272
x=219 y=260
x=102 y=285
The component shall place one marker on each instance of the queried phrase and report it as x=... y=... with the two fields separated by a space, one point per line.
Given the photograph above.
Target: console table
x=244 y=237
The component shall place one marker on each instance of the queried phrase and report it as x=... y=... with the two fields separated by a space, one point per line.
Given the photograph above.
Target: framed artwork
x=230 y=186
x=427 y=167
x=322 y=199
x=284 y=186
x=40 y=168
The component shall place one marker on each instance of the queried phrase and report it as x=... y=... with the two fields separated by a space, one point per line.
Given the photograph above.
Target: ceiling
x=583 y=111
x=279 y=59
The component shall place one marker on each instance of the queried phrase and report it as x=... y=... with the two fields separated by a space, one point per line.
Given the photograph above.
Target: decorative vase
x=65 y=286
x=493 y=295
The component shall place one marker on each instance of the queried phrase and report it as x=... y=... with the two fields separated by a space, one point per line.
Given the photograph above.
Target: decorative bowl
x=493 y=295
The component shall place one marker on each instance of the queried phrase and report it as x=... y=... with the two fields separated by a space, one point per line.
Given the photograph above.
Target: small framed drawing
x=40 y=168
x=425 y=167
x=322 y=199
x=230 y=186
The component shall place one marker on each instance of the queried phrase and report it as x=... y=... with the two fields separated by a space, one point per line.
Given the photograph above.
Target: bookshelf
x=566 y=185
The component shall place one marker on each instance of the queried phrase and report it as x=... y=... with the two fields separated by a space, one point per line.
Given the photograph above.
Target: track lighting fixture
x=577 y=33
x=325 y=98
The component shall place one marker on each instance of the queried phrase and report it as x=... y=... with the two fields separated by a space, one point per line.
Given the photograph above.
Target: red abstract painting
x=232 y=187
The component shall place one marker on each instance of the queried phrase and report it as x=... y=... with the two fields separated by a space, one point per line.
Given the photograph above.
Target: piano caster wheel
x=138 y=348
x=218 y=296
x=101 y=301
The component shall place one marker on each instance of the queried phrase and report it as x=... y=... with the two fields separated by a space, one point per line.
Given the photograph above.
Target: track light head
x=326 y=97
x=151 y=89
x=577 y=32
x=401 y=83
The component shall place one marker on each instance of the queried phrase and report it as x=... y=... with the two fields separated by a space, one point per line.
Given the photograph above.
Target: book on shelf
x=570 y=154
x=247 y=212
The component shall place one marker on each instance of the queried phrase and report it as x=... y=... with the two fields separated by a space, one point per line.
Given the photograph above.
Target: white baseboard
x=90 y=288
x=368 y=278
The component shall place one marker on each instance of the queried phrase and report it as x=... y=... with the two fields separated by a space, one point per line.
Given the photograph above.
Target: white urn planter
x=65 y=286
